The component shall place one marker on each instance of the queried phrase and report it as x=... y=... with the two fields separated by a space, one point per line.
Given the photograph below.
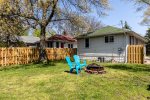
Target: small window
x=57 y=44
x=109 y=39
x=106 y=39
x=62 y=45
x=68 y=45
x=50 y=44
x=87 y=43
x=131 y=40
x=71 y=45
x=137 y=42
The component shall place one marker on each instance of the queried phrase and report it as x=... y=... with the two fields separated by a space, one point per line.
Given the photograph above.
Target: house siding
x=98 y=48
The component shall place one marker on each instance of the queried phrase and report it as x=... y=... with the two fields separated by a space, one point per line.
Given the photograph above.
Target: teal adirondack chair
x=78 y=63
x=72 y=65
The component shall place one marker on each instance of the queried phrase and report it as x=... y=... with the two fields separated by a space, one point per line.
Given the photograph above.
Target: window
x=62 y=45
x=87 y=43
x=136 y=41
x=109 y=39
x=131 y=40
x=71 y=45
x=50 y=44
x=57 y=44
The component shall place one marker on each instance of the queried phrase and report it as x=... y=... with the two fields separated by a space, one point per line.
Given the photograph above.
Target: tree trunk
x=8 y=40
x=42 y=51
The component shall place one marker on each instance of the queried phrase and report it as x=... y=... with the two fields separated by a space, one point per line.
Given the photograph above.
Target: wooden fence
x=136 y=54
x=12 y=56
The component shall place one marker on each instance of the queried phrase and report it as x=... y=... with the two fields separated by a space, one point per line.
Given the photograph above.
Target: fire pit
x=95 y=68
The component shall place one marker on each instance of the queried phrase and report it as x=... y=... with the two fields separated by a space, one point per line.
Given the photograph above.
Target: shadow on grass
x=31 y=65
x=130 y=67
x=70 y=73
x=148 y=87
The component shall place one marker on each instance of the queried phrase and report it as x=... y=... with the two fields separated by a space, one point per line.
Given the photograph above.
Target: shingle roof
x=104 y=31
x=29 y=39
x=61 y=38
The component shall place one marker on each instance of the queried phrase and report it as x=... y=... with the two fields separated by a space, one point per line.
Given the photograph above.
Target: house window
x=87 y=43
x=136 y=41
x=109 y=39
x=57 y=44
x=69 y=45
x=50 y=44
x=62 y=45
x=131 y=40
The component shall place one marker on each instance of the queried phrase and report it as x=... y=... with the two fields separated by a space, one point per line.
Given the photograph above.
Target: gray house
x=107 y=44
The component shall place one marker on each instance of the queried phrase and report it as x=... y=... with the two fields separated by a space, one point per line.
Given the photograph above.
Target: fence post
x=2 y=57
x=5 y=57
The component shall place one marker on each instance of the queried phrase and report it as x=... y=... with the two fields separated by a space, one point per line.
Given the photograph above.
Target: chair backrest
x=69 y=61
x=77 y=59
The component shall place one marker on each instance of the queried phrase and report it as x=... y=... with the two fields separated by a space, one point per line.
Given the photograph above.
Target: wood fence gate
x=135 y=54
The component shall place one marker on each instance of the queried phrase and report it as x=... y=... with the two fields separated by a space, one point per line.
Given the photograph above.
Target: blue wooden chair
x=72 y=65
x=78 y=63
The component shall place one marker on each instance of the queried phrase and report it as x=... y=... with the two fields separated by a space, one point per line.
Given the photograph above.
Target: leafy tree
x=38 y=31
x=10 y=27
x=147 y=36
x=89 y=24
x=141 y=5
x=44 y=13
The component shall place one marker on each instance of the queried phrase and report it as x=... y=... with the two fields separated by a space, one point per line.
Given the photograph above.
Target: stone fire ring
x=95 y=69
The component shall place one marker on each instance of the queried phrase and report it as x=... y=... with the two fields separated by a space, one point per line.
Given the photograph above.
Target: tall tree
x=147 y=36
x=10 y=27
x=43 y=13
x=88 y=24
x=93 y=24
x=48 y=33
x=141 y=5
x=126 y=26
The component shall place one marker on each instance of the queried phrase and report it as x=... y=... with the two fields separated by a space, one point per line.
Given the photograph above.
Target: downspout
x=125 y=44
x=126 y=47
x=126 y=54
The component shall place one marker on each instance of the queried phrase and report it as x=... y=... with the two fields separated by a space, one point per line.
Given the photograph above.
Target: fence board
x=136 y=54
x=23 y=55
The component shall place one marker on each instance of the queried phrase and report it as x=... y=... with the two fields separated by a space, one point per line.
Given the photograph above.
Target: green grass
x=51 y=82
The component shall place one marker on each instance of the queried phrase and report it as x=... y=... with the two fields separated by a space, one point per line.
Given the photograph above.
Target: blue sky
x=126 y=11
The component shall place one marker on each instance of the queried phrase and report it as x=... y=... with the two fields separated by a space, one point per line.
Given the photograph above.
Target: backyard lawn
x=52 y=82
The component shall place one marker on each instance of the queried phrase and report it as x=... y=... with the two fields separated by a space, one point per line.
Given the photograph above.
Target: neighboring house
x=29 y=41
x=108 y=43
x=61 y=41
x=55 y=41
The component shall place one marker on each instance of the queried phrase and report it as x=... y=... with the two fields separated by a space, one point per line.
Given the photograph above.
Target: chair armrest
x=84 y=61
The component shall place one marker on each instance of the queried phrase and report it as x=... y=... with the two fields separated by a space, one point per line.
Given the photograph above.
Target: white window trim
x=108 y=38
